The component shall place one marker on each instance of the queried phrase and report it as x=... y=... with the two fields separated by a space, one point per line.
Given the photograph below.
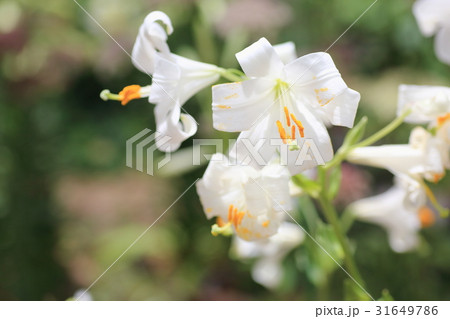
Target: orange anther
x=230 y=212
x=282 y=131
x=129 y=93
x=238 y=219
x=426 y=217
x=299 y=124
x=442 y=119
x=293 y=132
x=438 y=177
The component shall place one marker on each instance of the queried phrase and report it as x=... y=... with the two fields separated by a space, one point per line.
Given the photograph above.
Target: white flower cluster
x=403 y=209
x=283 y=104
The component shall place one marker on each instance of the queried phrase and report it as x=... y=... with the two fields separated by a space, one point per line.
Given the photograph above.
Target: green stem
x=232 y=75
x=342 y=153
x=332 y=217
x=444 y=212
x=383 y=132
x=325 y=200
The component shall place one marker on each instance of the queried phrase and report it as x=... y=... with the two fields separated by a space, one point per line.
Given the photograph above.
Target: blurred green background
x=69 y=206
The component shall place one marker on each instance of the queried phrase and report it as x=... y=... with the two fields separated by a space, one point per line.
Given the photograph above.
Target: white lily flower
x=428 y=104
x=401 y=210
x=425 y=156
x=175 y=80
x=239 y=197
x=287 y=103
x=269 y=253
x=433 y=17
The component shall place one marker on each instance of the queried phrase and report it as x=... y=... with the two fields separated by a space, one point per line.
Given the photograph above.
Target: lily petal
x=286 y=51
x=388 y=211
x=398 y=158
x=152 y=37
x=257 y=227
x=195 y=76
x=275 y=180
x=268 y=270
x=165 y=79
x=168 y=124
x=310 y=68
x=254 y=147
x=218 y=187
x=236 y=106
x=180 y=78
x=260 y=59
x=430 y=15
x=442 y=44
x=426 y=102
x=316 y=79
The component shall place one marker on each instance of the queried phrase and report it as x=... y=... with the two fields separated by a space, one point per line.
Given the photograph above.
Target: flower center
x=291 y=125
x=235 y=216
x=281 y=88
x=225 y=228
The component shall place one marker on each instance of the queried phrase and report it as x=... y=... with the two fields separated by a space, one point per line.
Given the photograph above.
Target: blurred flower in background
x=433 y=17
x=267 y=16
